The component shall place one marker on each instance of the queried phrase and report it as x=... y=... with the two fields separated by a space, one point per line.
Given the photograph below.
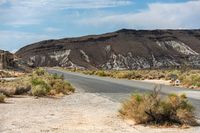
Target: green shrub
x=39 y=90
x=39 y=72
x=38 y=81
x=125 y=74
x=59 y=86
x=2 y=98
x=102 y=73
x=56 y=76
x=39 y=87
x=152 y=109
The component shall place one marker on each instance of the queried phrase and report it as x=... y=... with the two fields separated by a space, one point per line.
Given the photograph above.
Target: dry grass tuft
x=2 y=98
x=46 y=84
x=152 y=109
x=39 y=83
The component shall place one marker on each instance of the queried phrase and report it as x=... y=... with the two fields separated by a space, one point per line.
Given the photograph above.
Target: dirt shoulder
x=77 y=113
x=156 y=81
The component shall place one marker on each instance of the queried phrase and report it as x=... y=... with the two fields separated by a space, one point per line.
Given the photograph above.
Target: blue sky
x=23 y=22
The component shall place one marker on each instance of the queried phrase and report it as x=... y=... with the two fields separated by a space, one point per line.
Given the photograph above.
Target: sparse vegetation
x=10 y=73
x=2 y=98
x=39 y=83
x=188 y=78
x=45 y=84
x=154 y=109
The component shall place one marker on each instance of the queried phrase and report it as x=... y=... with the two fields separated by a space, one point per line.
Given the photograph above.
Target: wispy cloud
x=52 y=29
x=26 y=21
x=158 y=15
x=31 y=12
x=69 y=4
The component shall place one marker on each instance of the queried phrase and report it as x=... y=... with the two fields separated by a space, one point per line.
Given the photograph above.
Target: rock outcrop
x=124 y=49
x=6 y=60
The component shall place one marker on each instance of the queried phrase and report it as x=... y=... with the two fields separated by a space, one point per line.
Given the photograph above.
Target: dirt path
x=77 y=113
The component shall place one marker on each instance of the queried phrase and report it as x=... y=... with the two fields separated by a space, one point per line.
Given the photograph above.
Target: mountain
x=123 y=49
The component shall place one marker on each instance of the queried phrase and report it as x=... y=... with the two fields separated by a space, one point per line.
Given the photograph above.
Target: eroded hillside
x=124 y=49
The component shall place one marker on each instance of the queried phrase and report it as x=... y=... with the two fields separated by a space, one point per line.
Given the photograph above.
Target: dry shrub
x=2 y=98
x=39 y=90
x=188 y=78
x=59 y=86
x=102 y=73
x=124 y=74
x=14 y=87
x=39 y=72
x=191 y=80
x=39 y=83
x=49 y=84
x=152 y=109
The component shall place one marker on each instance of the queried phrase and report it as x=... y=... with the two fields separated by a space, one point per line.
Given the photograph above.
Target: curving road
x=119 y=89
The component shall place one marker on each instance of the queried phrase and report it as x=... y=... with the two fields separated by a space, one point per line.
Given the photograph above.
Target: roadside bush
x=39 y=72
x=39 y=90
x=125 y=74
x=102 y=73
x=58 y=86
x=2 y=98
x=88 y=72
x=193 y=80
x=50 y=84
x=56 y=76
x=152 y=109
x=38 y=83
x=188 y=78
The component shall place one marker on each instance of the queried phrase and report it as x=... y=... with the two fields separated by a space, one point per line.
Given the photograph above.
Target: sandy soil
x=77 y=113
x=164 y=82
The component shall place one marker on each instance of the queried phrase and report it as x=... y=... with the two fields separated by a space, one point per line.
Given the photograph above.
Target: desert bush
x=39 y=90
x=2 y=98
x=102 y=73
x=88 y=72
x=56 y=76
x=50 y=84
x=152 y=109
x=59 y=86
x=124 y=74
x=189 y=79
x=39 y=72
x=15 y=87
x=38 y=83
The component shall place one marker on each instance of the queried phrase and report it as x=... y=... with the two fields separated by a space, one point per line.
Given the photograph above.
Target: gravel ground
x=77 y=113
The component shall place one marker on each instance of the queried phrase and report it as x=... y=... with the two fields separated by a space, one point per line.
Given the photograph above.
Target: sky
x=23 y=22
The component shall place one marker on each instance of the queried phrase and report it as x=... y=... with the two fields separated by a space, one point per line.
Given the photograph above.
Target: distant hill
x=123 y=49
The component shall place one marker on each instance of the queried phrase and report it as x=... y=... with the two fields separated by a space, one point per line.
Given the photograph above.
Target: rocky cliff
x=6 y=60
x=123 y=49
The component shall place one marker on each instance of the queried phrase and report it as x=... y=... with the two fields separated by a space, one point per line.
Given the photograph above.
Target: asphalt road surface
x=120 y=89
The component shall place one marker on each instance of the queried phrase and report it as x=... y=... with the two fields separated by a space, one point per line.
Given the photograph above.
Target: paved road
x=119 y=89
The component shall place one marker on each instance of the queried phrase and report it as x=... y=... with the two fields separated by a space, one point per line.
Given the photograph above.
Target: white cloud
x=158 y=15
x=31 y=12
x=70 y=4
x=52 y=29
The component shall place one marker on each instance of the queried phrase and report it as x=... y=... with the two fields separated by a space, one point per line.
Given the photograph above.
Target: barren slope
x=124 y=49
